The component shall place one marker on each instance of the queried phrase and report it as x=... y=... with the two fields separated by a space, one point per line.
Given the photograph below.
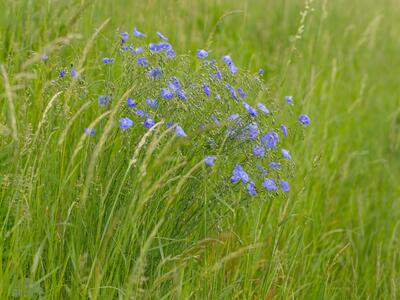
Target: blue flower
x=284 y=185
x=165 y=46
x=217 y=73
x=174 y=84
x=251 y=187
x=270 y=139
x=138 y=50
x=73 y=71
x=141 y=113
x=210 y=160
x=130 y=102
x=215 y=119
x=232 y=91
x=253 y=130
x=201 y=53
x=179 y=131
x=269 y=184
x=104 y=100
x=239 y=174
x=124 y=35
x=148 y=123
x=107 y=60
x=233 y=68
x=161 y=36
x=152 y=102
x=250 y=109
x=170 y=53
x=289 y=99
x=142 y=61
x=241 y=92
x=155 y=72
x=62 y=73
x=274 y=165
x=227 y=59
x=125 y=123
x=166 y=93
x=263 y=108
x=138 y=33
x=181 y=94
x=155 y=48
x=258 y=150
x=89 y=131
x=304 y=119
x=169 y=124
x=206 y=89
x=234 y=117
x=260 y=72
x=286 y=154
x=284 y=130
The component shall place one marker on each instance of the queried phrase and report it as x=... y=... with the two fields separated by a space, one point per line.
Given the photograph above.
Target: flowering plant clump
x=221 y=111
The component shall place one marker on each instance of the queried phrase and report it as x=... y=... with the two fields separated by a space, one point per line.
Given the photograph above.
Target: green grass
x=108 y=237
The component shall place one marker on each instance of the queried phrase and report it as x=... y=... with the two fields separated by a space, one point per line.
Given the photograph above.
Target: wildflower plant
x=210 y=105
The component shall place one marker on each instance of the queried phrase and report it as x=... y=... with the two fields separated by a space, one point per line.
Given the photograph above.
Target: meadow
x=137 y=214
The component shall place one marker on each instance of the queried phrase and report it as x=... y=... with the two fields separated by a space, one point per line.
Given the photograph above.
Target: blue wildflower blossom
x=250 y=109
x=125 y=123
x=89 y=131
x=286 y=154
x=232 y=67
x=206 y=89
x=210 y=160
x=124 y=35
x=161 y=36
x=148 y=123
x=166 y=93
x=152 y=102
x=284 y=185
x=155 y=72
x=270 y=139
x=169 y=124
x=227 y=59
x=304 y=119
x=234 y=117
x=284 y=130
x=179 y=131
x=170 y=53
x=138 y=50
x=262 y=108
x=155 y=48
x=251 y=187
x=253 y=131
x=201 y=53
x=241 y=92
x=62 y=73
x=141 y=113
x=165 y=46
x=174 y=84
x=260 y=72
x=138 y=33
x=269 y=184
x=130 y=102
x=275 y=165
x=104 y=100
x=239 y=174
x=73 y=72
x=142 y=61
x=232 y=91
x=107 y=60
x=289 y=99
x=258 y=150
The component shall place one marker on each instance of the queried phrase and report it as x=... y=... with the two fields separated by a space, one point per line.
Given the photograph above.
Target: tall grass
x=128 y=218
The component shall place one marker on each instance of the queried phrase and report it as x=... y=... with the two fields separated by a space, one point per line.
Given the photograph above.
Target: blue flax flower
x=289 y=99
x=284 y=185
x=253 y=130
x=206 y=89
x=170 y=53
x=155 y=72
x=250 y=109
x=155 y=48
x=258 y=150
x=210 y=160
x=239 y=174
x=241 y=92
x=201 y=53
x=286 y=154
x=166 y=93
x=161 y=36
x=89 y=131
x=284 y=130
x=148 y=123
x=179 y=131
x=142 y=61
x=251 y=187
x=232 y=91
x=107 y=60
x=275 y=165
x=152 y=102
x=125 y=123
x=263 y=108
x=73 y=72
x=260 y=72
x=304 y=119
x=104 y=100
x=130 y=102
x=62 y=73
x=269 y=184
x=138 y=33
x=270 y=139
x=141 y=113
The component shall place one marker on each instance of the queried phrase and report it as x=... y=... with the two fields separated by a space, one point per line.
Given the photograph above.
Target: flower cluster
x=216 y=105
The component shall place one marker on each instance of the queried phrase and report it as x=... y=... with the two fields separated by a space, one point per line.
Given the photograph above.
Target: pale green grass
x=335 y=237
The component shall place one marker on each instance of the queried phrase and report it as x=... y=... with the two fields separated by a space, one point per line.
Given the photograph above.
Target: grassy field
x=79 y=220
